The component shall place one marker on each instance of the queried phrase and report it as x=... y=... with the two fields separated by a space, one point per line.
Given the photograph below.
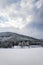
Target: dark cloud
x=38 y=26
x=12 y=1
x=4 y=3
x=38 y=17
x=34 y=1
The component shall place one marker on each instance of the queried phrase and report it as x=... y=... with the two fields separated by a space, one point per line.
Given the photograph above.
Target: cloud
x=16 y=14
x=26 y=15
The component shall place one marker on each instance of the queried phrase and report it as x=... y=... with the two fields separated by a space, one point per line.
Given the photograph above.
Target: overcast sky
x=22 y=16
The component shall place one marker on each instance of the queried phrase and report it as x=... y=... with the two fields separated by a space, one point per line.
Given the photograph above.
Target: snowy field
x=31 y=56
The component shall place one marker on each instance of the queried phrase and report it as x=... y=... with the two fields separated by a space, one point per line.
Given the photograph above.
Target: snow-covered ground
x=31 y=56
x=26 y=47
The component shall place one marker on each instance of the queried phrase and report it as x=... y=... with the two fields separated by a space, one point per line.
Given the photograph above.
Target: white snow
x=31 y=56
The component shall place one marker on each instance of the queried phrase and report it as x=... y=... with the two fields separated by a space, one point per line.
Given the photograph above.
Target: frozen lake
x=31 y=56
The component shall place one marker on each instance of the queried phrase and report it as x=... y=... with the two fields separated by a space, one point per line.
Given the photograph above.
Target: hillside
x=9 y=39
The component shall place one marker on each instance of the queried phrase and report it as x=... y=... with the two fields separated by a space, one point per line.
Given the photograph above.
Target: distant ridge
x=9 y=39
x=14 y=35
